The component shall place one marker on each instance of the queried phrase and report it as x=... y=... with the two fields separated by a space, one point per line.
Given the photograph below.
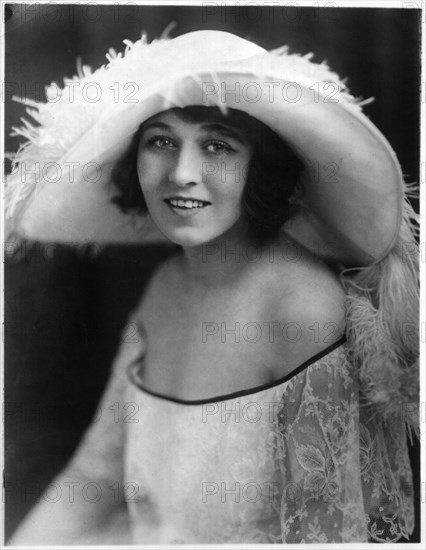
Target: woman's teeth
x=187 y=204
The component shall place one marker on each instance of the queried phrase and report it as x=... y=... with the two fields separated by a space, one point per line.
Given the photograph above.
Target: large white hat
x=60 y=188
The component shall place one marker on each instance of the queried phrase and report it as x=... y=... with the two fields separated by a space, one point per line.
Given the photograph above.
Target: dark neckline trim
x=239 y=393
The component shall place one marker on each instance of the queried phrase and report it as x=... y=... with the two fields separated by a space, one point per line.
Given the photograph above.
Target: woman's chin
x=198 y=234
x=188 y=240
x=189 y=237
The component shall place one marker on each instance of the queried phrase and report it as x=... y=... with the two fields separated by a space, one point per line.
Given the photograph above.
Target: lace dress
x=295 y=461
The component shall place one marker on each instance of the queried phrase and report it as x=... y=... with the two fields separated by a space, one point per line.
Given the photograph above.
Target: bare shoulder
x=313 y=288
x=306 y=296
x=297 y=277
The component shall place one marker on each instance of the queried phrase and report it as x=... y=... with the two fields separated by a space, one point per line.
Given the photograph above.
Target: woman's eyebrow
x=226 y=130
x=159 y=125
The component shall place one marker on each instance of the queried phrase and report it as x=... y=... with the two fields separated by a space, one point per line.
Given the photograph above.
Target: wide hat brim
x=353 y=185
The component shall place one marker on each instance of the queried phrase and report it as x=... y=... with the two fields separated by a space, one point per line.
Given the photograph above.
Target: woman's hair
x=272 y=179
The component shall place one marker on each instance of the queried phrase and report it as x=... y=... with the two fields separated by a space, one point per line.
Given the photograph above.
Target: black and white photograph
x=213 y=249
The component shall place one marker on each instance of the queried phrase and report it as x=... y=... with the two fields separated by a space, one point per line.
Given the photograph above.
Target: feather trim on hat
x=383 y=328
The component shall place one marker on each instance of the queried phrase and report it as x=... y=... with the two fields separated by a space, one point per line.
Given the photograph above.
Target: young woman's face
x=192 y=175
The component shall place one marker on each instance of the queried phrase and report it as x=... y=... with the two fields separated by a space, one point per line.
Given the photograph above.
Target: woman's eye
x=219 y=147
x=161 y=142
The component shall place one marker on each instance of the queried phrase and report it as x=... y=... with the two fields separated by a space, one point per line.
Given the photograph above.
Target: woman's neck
x=220 y=260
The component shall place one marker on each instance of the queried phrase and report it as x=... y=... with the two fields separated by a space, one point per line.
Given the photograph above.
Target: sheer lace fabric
x=299 y=462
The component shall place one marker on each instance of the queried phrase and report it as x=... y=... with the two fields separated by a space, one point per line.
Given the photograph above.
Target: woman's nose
x=187 y=169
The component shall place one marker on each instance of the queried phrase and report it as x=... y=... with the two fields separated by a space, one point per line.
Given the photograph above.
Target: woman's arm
x=73 y=519
x=319 y=455
x=89 y=505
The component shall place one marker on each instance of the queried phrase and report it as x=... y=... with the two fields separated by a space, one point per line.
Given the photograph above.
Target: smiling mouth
x=187 y=204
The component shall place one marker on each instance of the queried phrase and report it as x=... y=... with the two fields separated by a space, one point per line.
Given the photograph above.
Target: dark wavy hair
x=273 y=174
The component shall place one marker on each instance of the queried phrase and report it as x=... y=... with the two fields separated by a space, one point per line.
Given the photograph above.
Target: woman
x=266 y=400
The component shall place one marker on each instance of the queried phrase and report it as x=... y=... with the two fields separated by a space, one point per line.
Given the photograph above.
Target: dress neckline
x=135 y=379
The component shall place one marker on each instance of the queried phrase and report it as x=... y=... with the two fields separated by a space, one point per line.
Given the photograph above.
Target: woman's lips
x=186 y=207
x=186 y=203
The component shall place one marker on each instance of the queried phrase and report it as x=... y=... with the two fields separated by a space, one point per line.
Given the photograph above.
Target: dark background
x=65 y=309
